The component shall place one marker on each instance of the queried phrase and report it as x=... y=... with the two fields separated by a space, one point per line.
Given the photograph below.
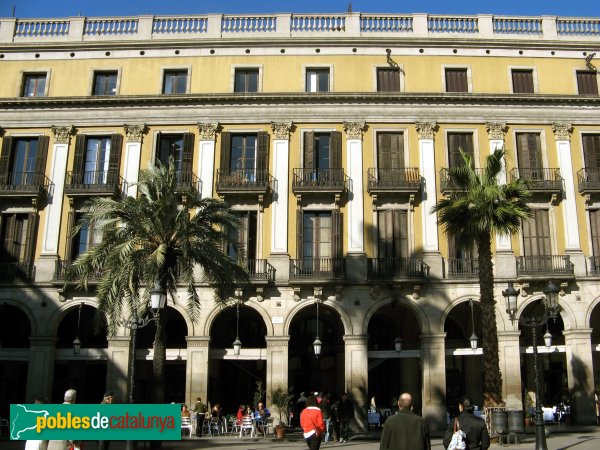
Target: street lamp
x=317 y=344
x=473 y=338
x=551 y=310
x=398 y=344
x=77 y=341
x=237 y=344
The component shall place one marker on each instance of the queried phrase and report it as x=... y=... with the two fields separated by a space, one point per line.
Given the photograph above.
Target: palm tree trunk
x=492 y=377
x=160 y=356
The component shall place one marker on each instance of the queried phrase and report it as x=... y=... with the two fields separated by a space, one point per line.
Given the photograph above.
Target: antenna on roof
x=350 y=7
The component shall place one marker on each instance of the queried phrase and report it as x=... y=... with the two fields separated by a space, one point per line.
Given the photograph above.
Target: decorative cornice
x=496 y=130
x=426 y=130
x=135 y=133
x=277 y=341
x=352 y=339
x=197 y=341
x=281 y=129
x=562 y=131
x=62 y=135
x=208 y=131
x=433 y=338
x=354 y=130
x=119 y=342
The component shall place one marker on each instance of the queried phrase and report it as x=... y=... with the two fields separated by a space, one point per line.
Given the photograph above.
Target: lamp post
x=551 y=310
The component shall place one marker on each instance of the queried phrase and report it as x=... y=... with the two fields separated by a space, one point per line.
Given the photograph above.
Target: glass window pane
x=252 y=82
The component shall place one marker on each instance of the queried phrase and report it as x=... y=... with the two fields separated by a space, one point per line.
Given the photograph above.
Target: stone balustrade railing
x=213 y=26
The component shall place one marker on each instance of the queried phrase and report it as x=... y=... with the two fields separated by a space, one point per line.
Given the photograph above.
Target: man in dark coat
x=346 y=414
x=477 y=437
x=405 y=430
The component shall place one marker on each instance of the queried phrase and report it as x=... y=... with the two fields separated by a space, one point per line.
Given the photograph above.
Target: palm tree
x=156 y=239
x=477 y=208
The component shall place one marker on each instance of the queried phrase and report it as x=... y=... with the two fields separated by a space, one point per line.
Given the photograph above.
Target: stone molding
x=135 y=133
x=356 y=339
x=197 y=341
x=42 y=341
x=496 y=130
x=507 y=336
x=580 y=333
x=119 y=342
x=433 y=338
x=354 y=130
x=208 y=131
x=426 y=130
x=62 y=135
x=562 y=131
x=277 y=341
x=281 y=129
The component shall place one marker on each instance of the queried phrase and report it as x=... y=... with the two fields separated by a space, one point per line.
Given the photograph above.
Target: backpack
x=458 y=438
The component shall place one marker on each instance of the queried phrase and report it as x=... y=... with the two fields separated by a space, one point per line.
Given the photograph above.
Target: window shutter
x=252 y=235
x=299 y=233
x=70 y=238
x=42 y=154
x=591 y=151
x=225 y=150
x=79 y=158
x=7 y=149
x=262 y=160
x=454 y=159
x=595 y=231
x=400 y=234
x=10 y=221
x=388 y=80
x=397 y=151
x=587 y=83
x=384 y=150
x=452 y=246
x=522 y=81
x=114 y=164
x=529 y=151
x=336 y=150
x=188 y=151
x=336 y=230
x=456 y=80
x=309 y=150
x=30 y=242
x=543 y=226
x=383 y=234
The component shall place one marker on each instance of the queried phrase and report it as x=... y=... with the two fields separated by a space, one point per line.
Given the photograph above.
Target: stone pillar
x=117 y=367
x=133 y=153
x=277 y=365
x=356 y=259
x=40 y=370
x=433 y=362
x=578 y=344
x=431 y=251
x=60 y=152
x=510 y=366
x=357 y=376
x=206 y=161
x=196 y=369
x=562 y=134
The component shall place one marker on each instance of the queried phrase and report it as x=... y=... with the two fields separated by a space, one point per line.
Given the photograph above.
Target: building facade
x=331 y=137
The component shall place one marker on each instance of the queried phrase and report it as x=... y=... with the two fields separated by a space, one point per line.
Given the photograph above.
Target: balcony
x=327 y=181
x=462 y=268
x=259 y=271
x=543 y=181
x=395 y=268
x=15 y=271
x=29 y=184
x=61 y=268
x=94 y=182
x=447 y=186
x=317 y=269
x=588 y=181
x=243 y=181
x=405 y=180
x=186 y=180
x=555 y=266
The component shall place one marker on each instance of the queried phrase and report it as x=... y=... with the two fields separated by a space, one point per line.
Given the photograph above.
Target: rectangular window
x=392 y=229
x=456 y=80
x=34 y=85
x=171 y=145
x=88 y=237
x=595 y=232
x=97 y=158
x=522 y=80
x=105 y=83
x=242 y=245
x=390 y=150
x=529 y=156
x=536 y=234
x=591 y=151
x=456 y=142
x=317 y=80
x=14 y=237
x=587 y=82
x=246 y=80
x=317 y=242
x=175 y=82
x=388 y=80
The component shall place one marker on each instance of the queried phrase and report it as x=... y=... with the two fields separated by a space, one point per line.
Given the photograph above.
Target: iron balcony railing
x=17 y=183
x=94 y=182
x=61 y=268
x=243 y=180
x=594 y=267
x=447 y=184
x=13 y=271
x=317 y=268
x=463 y=267
x=399 y=267
x=405 y=179
x=186 y=179
x=545 y=265
x=260 y=270
x=315 y=180
x=542 y=179
x=588 y=180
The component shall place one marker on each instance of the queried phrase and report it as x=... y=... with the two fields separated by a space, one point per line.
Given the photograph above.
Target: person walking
x=37 y=444
x=405 y=430
x=346 y=414
x=325 y=406
x=312 y=423
x=107 y=399
x=70 y=398
x=477 y=437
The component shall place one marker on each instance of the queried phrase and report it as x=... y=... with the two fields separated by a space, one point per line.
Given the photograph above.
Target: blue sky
x=65 y=8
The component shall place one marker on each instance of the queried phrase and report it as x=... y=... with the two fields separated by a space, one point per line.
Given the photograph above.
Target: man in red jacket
x=312 y=423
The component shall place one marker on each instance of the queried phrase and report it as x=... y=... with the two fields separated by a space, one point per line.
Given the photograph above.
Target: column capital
x=562 y=131
x=208 y=131
x=509 y=335
x=356 y=339
x=197 y=341
x=354 y=130
x=433 y=338
x=580 y=333
x=426 y=130
x=277 y=341
x=135 y=133
x=282 y=130
x=119 y=341
x=496 y=130
x=62 y=135
x=43 y=341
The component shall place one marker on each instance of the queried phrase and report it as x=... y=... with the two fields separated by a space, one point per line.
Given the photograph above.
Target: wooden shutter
x=188 y=152
x=79 y=158
x=42 y=155
x=31 y=239
x=536 y=234
x=335 y=147
x=10 y=221
x=70 y=237
x=595 y=231
x=336 y=234
x=384 y=233
x=225 y=150
x=529 y=153
x=591 y=151
x=262 y=156
x=458 y=141
x=309 y=150
x=587 y=83
x=299 y=233
x=5 y=158
x=393 y=234
x=114 y=162
x=522 y=81
x=384 y=150
x=388 y=80
x=456 y=80
x=400 y=233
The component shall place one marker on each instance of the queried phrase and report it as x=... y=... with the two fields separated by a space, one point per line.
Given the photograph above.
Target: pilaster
x=509 y=352
x=133 y=152
x=357 y=375
x=277 y=364
x=206 y=161
x=118 y=366
x=280 y=199
x=196 y=370
x=580 y=373
x=433 y=363
x=40 y=370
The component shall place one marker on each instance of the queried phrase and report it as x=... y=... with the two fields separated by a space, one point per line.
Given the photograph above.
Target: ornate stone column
x=509 y=355
x=206 y=161
x=356 y=259
x=40 y=369
x=133 y=153
x=196 y=369
x=60 y=151
x=433 y=362
x=280 y=257
x=562 y=134
x=117 y=366
x=277 y=364
x=357 y=375
x=431 y=250
x=580 y=372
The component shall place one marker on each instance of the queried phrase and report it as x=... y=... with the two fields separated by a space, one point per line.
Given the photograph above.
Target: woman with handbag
x=475 y=433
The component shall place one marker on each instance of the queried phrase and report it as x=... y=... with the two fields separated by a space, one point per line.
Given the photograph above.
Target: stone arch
x=25 y=309
x=424 y=324
x=566 y=313
x=454 y=304
x=215 y=311
x=63 y=309
x=589 y=311
x=345 y=319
